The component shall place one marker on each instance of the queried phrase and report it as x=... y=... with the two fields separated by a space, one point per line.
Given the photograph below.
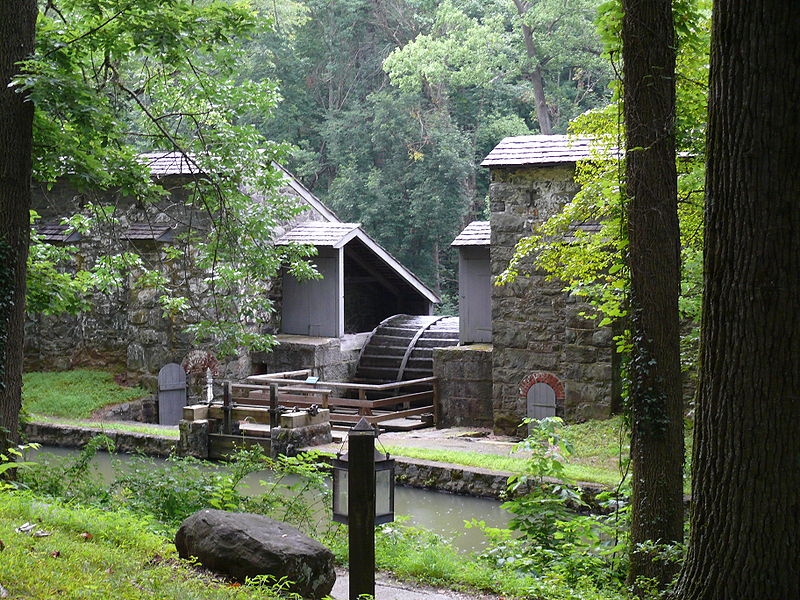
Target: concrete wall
x=538 y=331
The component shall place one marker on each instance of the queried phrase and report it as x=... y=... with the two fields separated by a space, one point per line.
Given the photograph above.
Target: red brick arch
x=530 y=380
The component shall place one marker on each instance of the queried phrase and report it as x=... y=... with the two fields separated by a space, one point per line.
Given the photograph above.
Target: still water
x=441 y=513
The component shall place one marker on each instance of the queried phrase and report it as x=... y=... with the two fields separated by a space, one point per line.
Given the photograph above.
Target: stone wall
x=126 y=329
x=537 y=328
x=144 y=411
x=72 y=436
x=464 y=386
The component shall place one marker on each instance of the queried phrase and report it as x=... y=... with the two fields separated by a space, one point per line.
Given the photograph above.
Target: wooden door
x=171 y=394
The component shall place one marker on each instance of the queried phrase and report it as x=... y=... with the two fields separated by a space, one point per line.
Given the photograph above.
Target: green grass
x=98 y=554
x=73 y=394
x=511 y=463
x=596 y=455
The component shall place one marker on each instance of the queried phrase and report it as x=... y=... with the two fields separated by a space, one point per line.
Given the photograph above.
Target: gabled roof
x=477 y=233
x=543 y=150
x=339 y=235
x=330 y=232
x=320 y=233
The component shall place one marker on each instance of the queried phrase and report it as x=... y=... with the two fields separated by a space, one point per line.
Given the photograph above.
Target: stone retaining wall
x=71 y=436
x=144 y=410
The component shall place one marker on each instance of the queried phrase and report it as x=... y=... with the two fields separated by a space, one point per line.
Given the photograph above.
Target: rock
x=242 y=545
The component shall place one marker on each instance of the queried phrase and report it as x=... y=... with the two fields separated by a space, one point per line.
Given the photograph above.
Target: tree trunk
x=654 y=256
x=745 y=534
x=535 y=76
x=17 y=31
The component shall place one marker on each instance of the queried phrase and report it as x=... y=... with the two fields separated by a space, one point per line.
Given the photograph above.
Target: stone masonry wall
x=536 y=326
x=464 y=386
x=126 y=329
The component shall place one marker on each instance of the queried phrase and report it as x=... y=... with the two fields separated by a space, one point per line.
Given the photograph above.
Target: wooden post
x=226 y=408
x=361 y=509
x=273 y=406
x=362 y=396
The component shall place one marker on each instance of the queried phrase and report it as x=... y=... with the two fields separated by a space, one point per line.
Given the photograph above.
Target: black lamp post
x=363 y=496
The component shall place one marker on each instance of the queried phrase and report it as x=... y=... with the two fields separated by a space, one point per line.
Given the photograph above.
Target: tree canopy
x=110 y=80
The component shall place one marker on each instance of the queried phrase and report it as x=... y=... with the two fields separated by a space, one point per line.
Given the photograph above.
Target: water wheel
x=401 y=348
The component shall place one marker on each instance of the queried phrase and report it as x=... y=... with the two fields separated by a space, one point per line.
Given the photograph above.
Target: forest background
x=391 y=106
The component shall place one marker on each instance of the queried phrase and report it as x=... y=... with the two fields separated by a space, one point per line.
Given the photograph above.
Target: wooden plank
x=419 y=396
x=402 y=414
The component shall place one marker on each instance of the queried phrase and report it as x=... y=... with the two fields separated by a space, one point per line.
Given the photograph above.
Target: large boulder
x=242 y=545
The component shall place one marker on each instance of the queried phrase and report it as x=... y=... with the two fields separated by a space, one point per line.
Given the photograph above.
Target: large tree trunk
x=745 y=534
x=654 y=255
x=17 y=31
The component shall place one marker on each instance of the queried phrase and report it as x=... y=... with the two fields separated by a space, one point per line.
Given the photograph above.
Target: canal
x=439 y=512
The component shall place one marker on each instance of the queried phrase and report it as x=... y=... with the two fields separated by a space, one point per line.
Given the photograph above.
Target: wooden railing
x=297 y=389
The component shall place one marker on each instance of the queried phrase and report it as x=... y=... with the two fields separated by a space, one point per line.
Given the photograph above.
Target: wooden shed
x=361 y=284
x=474 y=283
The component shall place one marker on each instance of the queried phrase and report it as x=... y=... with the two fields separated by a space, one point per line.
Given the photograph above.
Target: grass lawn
x=596 y=457
x=98 y=554
x=73 y=394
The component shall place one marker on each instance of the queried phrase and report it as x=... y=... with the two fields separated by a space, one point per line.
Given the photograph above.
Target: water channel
x=439 y=512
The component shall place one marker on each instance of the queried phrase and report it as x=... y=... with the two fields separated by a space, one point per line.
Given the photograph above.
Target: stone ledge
x=73 y=436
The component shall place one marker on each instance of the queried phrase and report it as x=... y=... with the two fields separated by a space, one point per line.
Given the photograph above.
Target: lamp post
x=363 y=496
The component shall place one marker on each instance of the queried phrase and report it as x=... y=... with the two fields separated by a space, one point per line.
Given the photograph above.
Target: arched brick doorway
x=543 y=394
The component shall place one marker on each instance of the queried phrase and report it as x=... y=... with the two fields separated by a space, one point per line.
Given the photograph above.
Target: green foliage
x=555 y=541
x=10 y=461
x=73 y=394
x=585 y=245
x=392 y=106
x=292 y=490
x=480 y=45
x=92 y=552
x=110 y=79
x=70 y=479
x=418 y=555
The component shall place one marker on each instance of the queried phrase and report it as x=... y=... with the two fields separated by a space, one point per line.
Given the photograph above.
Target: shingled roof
x=477 y=233
x=57 y=232
x=163 y=163
x=320 y=233
x=148 y=232
x=542 y=150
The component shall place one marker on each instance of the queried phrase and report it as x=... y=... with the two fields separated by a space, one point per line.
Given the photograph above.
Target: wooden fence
x=348 y=402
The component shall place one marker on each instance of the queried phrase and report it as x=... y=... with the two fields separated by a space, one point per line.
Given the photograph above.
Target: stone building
x=546 y=358
x=127 y=330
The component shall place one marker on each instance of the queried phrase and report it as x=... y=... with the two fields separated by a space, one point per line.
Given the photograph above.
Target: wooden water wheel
x=401 y=348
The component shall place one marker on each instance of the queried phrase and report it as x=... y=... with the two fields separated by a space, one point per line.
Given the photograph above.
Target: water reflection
x=439 y=512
